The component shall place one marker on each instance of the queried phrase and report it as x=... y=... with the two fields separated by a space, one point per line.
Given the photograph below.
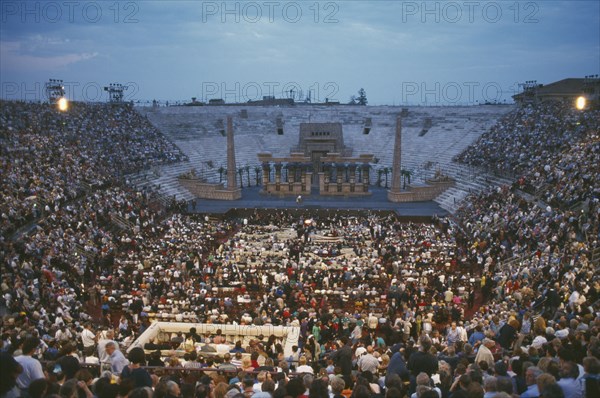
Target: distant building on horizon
x=565 y=90
x=269 y=100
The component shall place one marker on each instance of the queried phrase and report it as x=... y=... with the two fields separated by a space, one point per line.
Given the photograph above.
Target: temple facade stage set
x=320 y=164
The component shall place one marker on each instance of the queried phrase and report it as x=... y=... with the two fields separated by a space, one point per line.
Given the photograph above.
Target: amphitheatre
x=108 y=238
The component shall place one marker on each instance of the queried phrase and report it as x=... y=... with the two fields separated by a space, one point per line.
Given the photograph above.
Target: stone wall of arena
x=205 y=190
x=421 y=193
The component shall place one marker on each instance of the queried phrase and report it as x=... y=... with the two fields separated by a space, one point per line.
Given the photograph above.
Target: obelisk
x=232 y=187
x=396 y=167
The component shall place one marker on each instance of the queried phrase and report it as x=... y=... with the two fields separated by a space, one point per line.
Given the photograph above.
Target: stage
x=253 y=199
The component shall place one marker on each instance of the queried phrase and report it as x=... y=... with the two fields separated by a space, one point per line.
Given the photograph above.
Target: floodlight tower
x=529 y=85
x=529 y=90
x=55 y=90
x=115 y=92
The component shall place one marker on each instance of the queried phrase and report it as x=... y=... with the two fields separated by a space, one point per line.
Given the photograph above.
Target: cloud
x=171 y=50
x=13 y=57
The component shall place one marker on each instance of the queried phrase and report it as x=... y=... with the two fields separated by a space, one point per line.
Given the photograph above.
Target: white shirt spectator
x=88 y=338
x=305 y=369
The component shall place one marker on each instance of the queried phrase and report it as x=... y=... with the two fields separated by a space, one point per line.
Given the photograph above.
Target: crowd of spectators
x=502 y=301
x=49 y=158
x=529 y=137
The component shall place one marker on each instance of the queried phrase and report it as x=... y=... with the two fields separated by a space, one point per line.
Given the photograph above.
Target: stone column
x=307 y=181
x=277 y=175
x=291 y=173
x=352 y=168
x=340 y=174
x=266 y=169
x=365 y=177
x=303 y=175
x=396 y=167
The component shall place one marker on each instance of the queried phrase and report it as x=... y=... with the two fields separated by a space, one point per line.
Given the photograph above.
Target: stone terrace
x=197 y=131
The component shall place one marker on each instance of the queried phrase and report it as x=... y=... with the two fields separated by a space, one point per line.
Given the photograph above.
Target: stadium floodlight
x=115 y=92
x=55 y=90
x=580 y=102
x=63 y=104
